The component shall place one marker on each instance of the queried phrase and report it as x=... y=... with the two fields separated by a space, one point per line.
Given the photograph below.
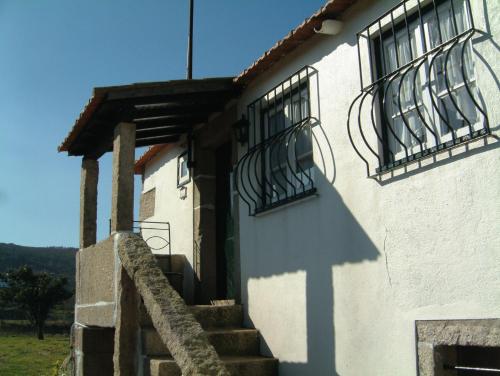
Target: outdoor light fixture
x=240 y=129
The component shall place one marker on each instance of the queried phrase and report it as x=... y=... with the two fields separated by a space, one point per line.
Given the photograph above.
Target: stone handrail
x=177 y=327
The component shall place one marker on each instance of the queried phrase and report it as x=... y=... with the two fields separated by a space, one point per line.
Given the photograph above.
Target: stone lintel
x=88 y=201
x=122 y=200
x=101 y=315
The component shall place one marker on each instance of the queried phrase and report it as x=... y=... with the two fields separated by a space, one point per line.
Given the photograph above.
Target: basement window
x=468 y=360
x=458 y=347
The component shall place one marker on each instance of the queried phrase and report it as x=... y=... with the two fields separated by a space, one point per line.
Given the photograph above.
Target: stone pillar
x=204 y=224
x=127 y=327
x=88 y=202
x=122 y=200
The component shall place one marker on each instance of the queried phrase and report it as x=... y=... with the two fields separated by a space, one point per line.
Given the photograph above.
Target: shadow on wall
x=335 y=238
x=306 y=239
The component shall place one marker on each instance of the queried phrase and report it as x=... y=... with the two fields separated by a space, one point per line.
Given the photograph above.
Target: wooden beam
x=156 y=140
x=163 y=131
x=222 y=96
x=161 y=121
x=177 y=109
x=171 y=88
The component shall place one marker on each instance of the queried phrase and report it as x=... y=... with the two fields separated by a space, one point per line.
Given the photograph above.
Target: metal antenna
x=190 y=43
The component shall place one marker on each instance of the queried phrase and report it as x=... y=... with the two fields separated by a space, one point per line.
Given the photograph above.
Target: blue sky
x=53 y=52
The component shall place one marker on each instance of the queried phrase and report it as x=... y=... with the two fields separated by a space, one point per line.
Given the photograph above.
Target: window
x=278 y=117
x=468 y=360
x=278 y=167
x=183 y=175
x=422 y=85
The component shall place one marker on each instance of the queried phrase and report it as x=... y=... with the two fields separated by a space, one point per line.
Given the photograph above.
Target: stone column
x=204 y=223
x=88 y=202
x=122 y=216
x=122 y=200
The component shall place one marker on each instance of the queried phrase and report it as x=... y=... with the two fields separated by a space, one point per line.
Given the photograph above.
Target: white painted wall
x=335 y=283
x=161 y=174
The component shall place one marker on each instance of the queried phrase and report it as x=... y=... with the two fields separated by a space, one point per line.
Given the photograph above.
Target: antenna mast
x=190 y=43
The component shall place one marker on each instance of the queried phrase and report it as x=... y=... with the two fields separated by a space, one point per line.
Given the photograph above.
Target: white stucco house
x=363 y=209
x=348 y=196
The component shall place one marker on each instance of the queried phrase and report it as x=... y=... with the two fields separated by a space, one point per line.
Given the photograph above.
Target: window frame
x=268 y=174
x=288 y=111
x=370 y=136
x=410 y=28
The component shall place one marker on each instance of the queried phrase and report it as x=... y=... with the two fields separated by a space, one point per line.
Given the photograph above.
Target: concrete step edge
x=237 y=365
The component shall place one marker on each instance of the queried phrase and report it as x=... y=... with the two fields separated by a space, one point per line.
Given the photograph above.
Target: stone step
x=226 y=342
x=173 y=268
x=174 y=263
x=236 y=365
x=209 y=316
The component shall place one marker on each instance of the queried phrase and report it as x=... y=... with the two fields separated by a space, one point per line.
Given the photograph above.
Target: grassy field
x=22 y=354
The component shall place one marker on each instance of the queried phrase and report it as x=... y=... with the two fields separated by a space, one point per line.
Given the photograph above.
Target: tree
x=33 y=293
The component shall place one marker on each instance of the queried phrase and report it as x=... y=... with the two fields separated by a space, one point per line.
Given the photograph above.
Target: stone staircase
x=237 y=347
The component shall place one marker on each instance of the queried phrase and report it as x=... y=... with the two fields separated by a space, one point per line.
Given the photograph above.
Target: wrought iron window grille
x=278 y=167
x=418 y=88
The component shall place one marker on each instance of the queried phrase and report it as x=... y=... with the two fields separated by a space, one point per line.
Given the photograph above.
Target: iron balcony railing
x=418 y=93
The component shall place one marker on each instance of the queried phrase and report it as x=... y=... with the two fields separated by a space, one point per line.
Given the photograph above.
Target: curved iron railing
x=157 y=236
x=278 y=165
x=158 y=227
x=415 y=109
x=280 y=183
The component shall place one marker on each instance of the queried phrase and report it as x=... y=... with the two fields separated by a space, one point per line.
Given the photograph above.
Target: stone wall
x=95 y=285
x=147 y=208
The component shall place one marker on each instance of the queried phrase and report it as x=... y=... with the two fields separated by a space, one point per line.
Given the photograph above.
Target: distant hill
x=56 y=260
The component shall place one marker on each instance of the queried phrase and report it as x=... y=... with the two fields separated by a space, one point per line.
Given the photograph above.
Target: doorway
x=224 y=224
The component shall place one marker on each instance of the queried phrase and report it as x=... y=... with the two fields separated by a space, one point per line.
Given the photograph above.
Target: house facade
x=337 y=280
x=347 y=196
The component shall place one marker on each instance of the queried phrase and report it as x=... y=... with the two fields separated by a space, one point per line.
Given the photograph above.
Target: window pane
x=184 y=169
x=278 y=182
x=452 y=115
x=305 y=163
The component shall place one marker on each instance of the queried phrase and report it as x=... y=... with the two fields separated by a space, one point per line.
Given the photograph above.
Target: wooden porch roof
x=162 y=112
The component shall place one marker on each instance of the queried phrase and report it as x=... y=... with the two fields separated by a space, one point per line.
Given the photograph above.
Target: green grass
x=23 y=354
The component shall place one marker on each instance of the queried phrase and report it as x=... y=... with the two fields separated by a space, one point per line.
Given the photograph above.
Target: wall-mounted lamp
x=240 y=129
x=190 y=161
